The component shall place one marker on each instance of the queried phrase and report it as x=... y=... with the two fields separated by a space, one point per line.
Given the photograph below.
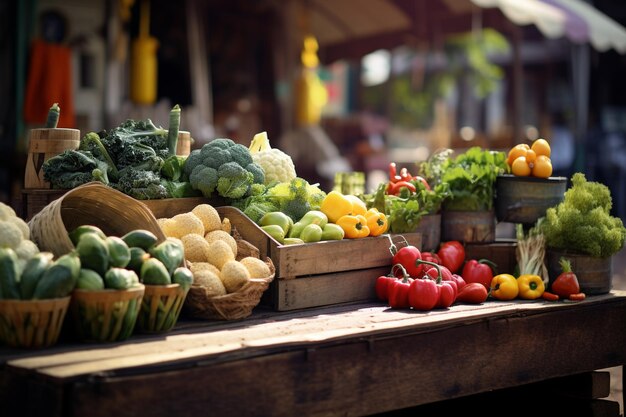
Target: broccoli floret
x=257 y=208
x=215 y=157
x=221 y=143
x=233 y=180
x=240 y=154
x=257 y=172
x=193 y=159
x=256 y=189
x=204 y=179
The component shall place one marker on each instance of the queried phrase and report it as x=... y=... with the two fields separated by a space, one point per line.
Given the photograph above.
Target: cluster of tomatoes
x=428 y=280
x=533 y=160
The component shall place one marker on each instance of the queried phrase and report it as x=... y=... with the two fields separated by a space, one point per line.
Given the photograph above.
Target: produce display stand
x=357 y=359
x=307 y=275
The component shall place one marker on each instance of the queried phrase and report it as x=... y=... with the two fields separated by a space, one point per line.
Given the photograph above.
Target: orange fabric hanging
x=49 y=81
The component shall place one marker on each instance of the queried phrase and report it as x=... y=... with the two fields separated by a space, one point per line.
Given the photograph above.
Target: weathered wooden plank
x=330 y=288
x=367 y=375
x=297 y=330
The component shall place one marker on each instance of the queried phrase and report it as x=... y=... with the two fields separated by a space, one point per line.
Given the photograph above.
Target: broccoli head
x=257 y=172
x=233 y=181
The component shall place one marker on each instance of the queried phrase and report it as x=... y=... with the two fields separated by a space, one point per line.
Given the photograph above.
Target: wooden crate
x=35 y=199
x=502 y=253
x=312 y=274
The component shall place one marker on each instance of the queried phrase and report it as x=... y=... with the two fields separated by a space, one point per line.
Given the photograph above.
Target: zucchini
x=9 y=274
x=89 y=280
x=86 y=228
x=33 y=271
x=140 y=238
x=60 y=278
x=93 y=252
x=154 y=272
x=119 y=253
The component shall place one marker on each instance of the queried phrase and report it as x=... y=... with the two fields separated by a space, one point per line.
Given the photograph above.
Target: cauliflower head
x=278 y=166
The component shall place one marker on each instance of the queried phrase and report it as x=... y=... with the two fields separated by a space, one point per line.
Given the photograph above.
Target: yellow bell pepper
x=530 y=287
x=376 y=221
x=358 y=205
x=504 y=287
x=354 y=226
x=335 y=205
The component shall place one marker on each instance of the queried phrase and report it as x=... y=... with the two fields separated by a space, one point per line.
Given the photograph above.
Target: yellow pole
x=143 y=71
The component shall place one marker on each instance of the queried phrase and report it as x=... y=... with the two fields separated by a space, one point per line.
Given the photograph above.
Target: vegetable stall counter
x=354 y=359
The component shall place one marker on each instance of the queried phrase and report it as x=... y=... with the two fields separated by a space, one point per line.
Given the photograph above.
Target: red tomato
x=452 y=255
x=407 y=256
x=473 y=293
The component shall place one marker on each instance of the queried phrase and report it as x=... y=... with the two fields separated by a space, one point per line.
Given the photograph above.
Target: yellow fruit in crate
x=520 y=167
x=542 y=168
x=517 y=151
x=541 y=147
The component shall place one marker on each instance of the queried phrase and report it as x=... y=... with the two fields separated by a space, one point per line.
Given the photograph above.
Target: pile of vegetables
x=582 y=222
x=137 y=158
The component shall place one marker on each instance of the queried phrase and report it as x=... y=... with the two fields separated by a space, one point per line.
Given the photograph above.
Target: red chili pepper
x=473 y=293
x=399 y=290
x=452 y=255
x=397 y=186
x=405 y=175
x=566 y=283
x=407 y=256
x=478 y=271
x=577 y=297
x=392 y=172
x=382 y=286
x=549 y=296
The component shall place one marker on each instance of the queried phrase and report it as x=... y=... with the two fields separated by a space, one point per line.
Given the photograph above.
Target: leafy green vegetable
x=72 y=168
x=172 y=168
x=140 y=184
x=471 y=177
x=582 y=221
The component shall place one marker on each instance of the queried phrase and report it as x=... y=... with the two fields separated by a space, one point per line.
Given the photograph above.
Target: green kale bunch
x=225 y=167
x=582 y=222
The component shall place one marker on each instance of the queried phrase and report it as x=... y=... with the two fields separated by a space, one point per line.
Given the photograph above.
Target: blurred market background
x=341 y=85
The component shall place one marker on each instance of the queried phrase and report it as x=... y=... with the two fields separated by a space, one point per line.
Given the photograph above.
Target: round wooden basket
x=96 y=204
x=160 y=307
x=233 y=306
x=32 y=323
x=105 y=315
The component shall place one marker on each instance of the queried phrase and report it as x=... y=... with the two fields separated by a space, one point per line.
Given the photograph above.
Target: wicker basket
x=105 y=315
x=32 y=323
x=94 y=203
x=233 y=306
x=160 y=307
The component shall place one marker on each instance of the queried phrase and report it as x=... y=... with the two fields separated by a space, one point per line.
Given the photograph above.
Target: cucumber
x=9 y=274
x=154 y=272
x=59 y=279
x=137 y=258
x=171 y=252
x=86 y=228
x=140 y=238
x=33 y=271
x=89 y=280
x=120 y=279
x=93 y=252
x=119 y=252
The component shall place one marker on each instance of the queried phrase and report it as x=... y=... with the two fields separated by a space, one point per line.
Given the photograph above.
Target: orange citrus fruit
x=542 y=167
x=531 y=157
x=541 y=147
x=520 y=167
x=517 y=151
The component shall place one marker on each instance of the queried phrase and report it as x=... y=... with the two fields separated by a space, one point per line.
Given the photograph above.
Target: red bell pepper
x=473 y=293
x=407 y=256
x=452 y=255
x=460 y=282
x=447 y=290
x=399 y=290
x=566 y=283
x=423 y=294
x=382 y=286
x=478 y=271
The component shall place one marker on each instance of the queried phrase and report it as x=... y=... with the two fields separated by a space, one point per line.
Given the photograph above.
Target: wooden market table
x=356 y=359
